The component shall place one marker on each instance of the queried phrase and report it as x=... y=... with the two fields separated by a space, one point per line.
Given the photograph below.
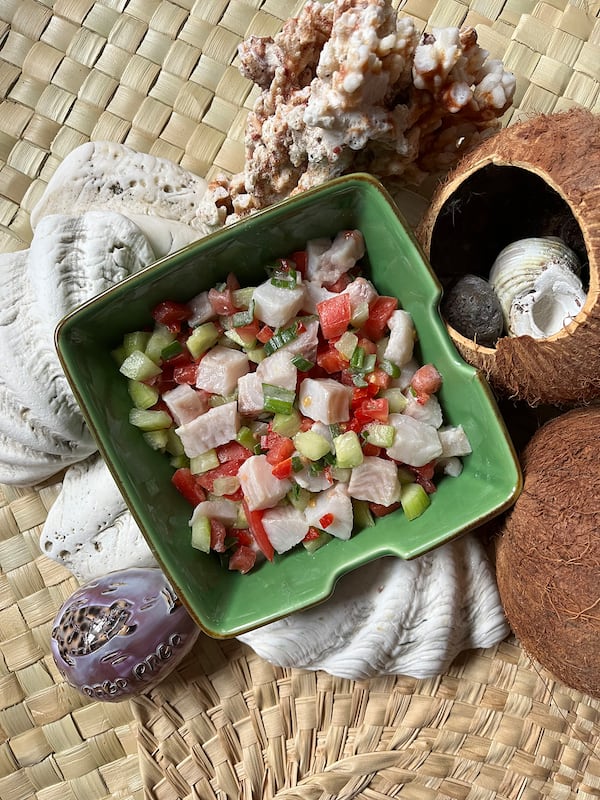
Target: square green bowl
x=227 y=603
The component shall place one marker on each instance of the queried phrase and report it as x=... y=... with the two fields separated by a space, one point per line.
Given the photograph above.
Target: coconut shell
x=548 y=550
x=563 y=150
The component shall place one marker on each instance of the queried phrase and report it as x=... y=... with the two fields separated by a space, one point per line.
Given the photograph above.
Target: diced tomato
x=367 y=345
x=300 y=259
x=218 y=533
x=283 y=469
x=326 y=520
x=381 y=511
x=250 y=330
x=222 y=301
x=225 y=470
x=242 y=559
x=331 y=360
x=334 y=315
x=379 y=378
x=258 y=531
x=373 y=409
x=360 y=394
x=424 y=476
x=186 y=373
x=425 y=382
x=171 y=314
x=306 y=423
x=232 y=451
x=278 y=447
x=264 y=334
x=243 y=536
x=187 y=485
x=380 y=310
x=313 y=533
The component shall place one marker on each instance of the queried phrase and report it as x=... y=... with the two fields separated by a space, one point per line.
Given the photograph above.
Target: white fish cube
x=260 y=487
x=327 y=265
x=306 y=342
x=274 y=305
x=455 y=441
x=250 y=394
x=401 y=341
x=375 y=480
x=278 y=370
x=216 y=426
x=335 y=501
x=220 y=369
x=360 y=291
x=285 y=526
x=324 y=400
x=430 y=411
x=221 y=509
x=185 y=403
x=315 y=293
x=415 y=443
x=202 y=310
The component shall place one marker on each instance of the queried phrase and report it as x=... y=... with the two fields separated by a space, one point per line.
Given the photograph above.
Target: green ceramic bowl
x=227 y=603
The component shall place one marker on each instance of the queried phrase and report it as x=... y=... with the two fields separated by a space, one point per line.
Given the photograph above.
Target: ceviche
x=293 y=411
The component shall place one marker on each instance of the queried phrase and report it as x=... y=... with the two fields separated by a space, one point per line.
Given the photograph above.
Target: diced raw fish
x=278 y=370
x=399 y=349
x=250 y=394
x=406 y=375
x=313 y=481
x=221 y=509
x=325 y=400
x=274 y=305
x=430 y=411
x=285 y=526
x=336 y=502
x=306 y=342
x=260 y=487
x=375 y=480
x=346 y=249
x=216 y=426
x=415 y=443
x=185 y=403
x=220 y=369
x=315 y=248
x=360 y=291
x=202 y=310
x=455 y=441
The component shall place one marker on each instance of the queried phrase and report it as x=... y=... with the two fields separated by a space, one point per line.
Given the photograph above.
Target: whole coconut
x=548 y=551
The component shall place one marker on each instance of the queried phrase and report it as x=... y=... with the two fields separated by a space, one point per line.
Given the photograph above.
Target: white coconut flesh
x=557 y=297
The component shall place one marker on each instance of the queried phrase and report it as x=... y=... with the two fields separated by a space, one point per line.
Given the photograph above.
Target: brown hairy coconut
x=548 y=550
x=538 y=177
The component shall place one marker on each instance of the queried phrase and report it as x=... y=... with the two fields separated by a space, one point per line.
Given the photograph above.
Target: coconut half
x=548 y=550
x=539 y=177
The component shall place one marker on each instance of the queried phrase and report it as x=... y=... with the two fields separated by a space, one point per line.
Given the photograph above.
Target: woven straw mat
x=161 y=76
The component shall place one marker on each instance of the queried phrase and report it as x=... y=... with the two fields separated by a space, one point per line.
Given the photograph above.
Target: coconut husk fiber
x=537 y=177
x=548 y=551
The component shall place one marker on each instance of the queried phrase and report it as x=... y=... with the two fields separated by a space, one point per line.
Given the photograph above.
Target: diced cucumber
x=287 y=424
x=137 y=340
x=179 y=461
x=414 y=500
x=405 y=475
x=363 y=518
x=312 y=545
x=348 y=452
x=397 y=402
x=174 y=444
x=228 y=484
x=256 y=354
x=118 y=355
x=242 y=297
x=379 y=434
x=221 y=399
x=201 y=533
x=246 y=438
x=160 y=338
x=360 y=315
x=148 y=420
x=298 y=497
x=142 y=395
x=203 y=337
x=157 y=440
x=139 y=367
x=241 y=521
x=312 y=445
x=171 y=350
x=246 y=341
x=204 y=462
x=346 y=344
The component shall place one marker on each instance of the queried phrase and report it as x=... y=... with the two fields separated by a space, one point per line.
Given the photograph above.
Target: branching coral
x=349 y=85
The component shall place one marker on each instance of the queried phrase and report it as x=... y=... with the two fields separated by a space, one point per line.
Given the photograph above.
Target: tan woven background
x=161 y=76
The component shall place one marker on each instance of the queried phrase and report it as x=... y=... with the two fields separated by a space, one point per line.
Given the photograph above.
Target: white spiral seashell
x=394 y=617
x=536 y=281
